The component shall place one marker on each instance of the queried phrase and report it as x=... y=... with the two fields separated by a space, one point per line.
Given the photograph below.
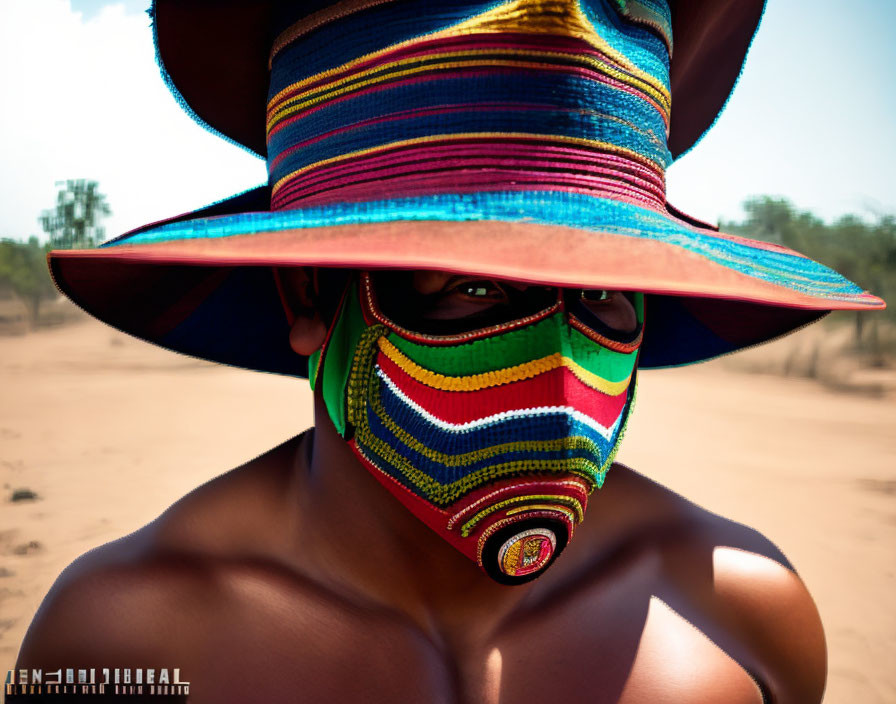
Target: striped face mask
x=494 y=436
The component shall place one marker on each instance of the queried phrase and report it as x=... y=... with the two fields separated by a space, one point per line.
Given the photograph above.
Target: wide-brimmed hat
x=525 y=139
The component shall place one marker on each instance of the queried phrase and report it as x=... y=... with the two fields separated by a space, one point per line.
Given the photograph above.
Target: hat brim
x=201 y=284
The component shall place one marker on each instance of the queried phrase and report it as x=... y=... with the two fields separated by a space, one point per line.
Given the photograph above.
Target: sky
x=812 y=119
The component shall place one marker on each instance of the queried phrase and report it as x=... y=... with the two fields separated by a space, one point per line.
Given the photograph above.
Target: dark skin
x=298 y=577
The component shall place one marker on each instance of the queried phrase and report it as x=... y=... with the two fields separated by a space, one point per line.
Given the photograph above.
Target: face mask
x=494 y=438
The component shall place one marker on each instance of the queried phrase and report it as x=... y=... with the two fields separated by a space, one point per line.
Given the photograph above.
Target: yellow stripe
x=540 y=507
x=446 y=494
x=360 y=390
x=557 y=17
x=552 y=17
x=475 y=382
x=568 y=502
x=332 y=90
x=577 y=141
x=572 y=442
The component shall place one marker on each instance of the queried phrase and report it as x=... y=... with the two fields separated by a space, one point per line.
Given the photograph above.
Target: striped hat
x=517 y=139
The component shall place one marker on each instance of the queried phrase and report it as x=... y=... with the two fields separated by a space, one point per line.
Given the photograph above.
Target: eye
x=479 y=290
x=462 y=298
x=596 y=295
x=611 y=308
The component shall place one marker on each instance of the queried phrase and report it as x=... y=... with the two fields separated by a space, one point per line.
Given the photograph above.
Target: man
x=465 y=246
x=655 y=600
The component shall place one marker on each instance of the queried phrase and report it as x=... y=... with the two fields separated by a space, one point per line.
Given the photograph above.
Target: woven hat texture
x=525 y=139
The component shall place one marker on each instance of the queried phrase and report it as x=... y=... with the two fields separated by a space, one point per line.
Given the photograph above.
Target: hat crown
x=384 y=99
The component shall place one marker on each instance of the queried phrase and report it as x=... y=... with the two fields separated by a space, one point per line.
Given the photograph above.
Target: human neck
x=364 y=544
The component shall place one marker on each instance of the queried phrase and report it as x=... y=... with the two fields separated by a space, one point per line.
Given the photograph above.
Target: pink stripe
x=491 y=153
x=477 y=154
x=476 y=148
x=484 y=178
x=470 y=171
x=473 y=182
x=358 y=196
x=486 y=148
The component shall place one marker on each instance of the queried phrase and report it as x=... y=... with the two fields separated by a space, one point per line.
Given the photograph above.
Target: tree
x=23 y=270
x=862 y=251
x=75 y=221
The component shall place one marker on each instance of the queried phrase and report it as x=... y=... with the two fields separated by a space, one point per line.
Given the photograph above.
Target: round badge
x=527 y=552
x=520 y=552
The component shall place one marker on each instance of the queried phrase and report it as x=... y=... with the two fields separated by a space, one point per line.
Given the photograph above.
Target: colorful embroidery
x=446 y=437
x=513 y=96
x=527 y=552
x=559 y=502
x=519 y=372
x=550 y=112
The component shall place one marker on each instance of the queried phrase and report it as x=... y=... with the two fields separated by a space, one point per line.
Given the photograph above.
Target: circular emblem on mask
x=520 y=552
x=527 y=552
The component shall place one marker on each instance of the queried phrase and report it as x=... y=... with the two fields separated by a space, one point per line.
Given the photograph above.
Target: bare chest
x=298 y=648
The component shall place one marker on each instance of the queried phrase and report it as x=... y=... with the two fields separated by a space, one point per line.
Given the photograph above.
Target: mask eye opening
x=590 y=325
x=374 y=312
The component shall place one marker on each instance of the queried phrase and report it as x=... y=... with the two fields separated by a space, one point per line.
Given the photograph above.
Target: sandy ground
x=109 y=431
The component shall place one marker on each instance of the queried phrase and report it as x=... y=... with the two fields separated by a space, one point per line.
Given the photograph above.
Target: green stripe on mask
x=515 y=347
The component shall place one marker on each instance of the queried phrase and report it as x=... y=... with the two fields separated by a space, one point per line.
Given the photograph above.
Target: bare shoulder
x=123 y=602
x=737 y=587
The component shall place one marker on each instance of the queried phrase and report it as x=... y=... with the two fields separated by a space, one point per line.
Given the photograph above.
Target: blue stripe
x=639 y=45
x=350 y=38
x=540 y=428
x=445 y=474
x=560 y=91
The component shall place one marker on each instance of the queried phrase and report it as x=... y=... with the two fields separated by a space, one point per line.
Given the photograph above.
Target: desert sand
x=109 y=431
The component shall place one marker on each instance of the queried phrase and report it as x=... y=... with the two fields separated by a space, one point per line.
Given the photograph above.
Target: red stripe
x=508 y=150
x=419 y=187
x=483 y=174
x=601 y=174
x=558 y=387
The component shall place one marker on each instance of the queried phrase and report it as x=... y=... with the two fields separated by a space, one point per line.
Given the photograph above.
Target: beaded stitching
x=523 y=48
x=365 y=402
x=576 y=513
x=519 y=372
x=579 y=488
